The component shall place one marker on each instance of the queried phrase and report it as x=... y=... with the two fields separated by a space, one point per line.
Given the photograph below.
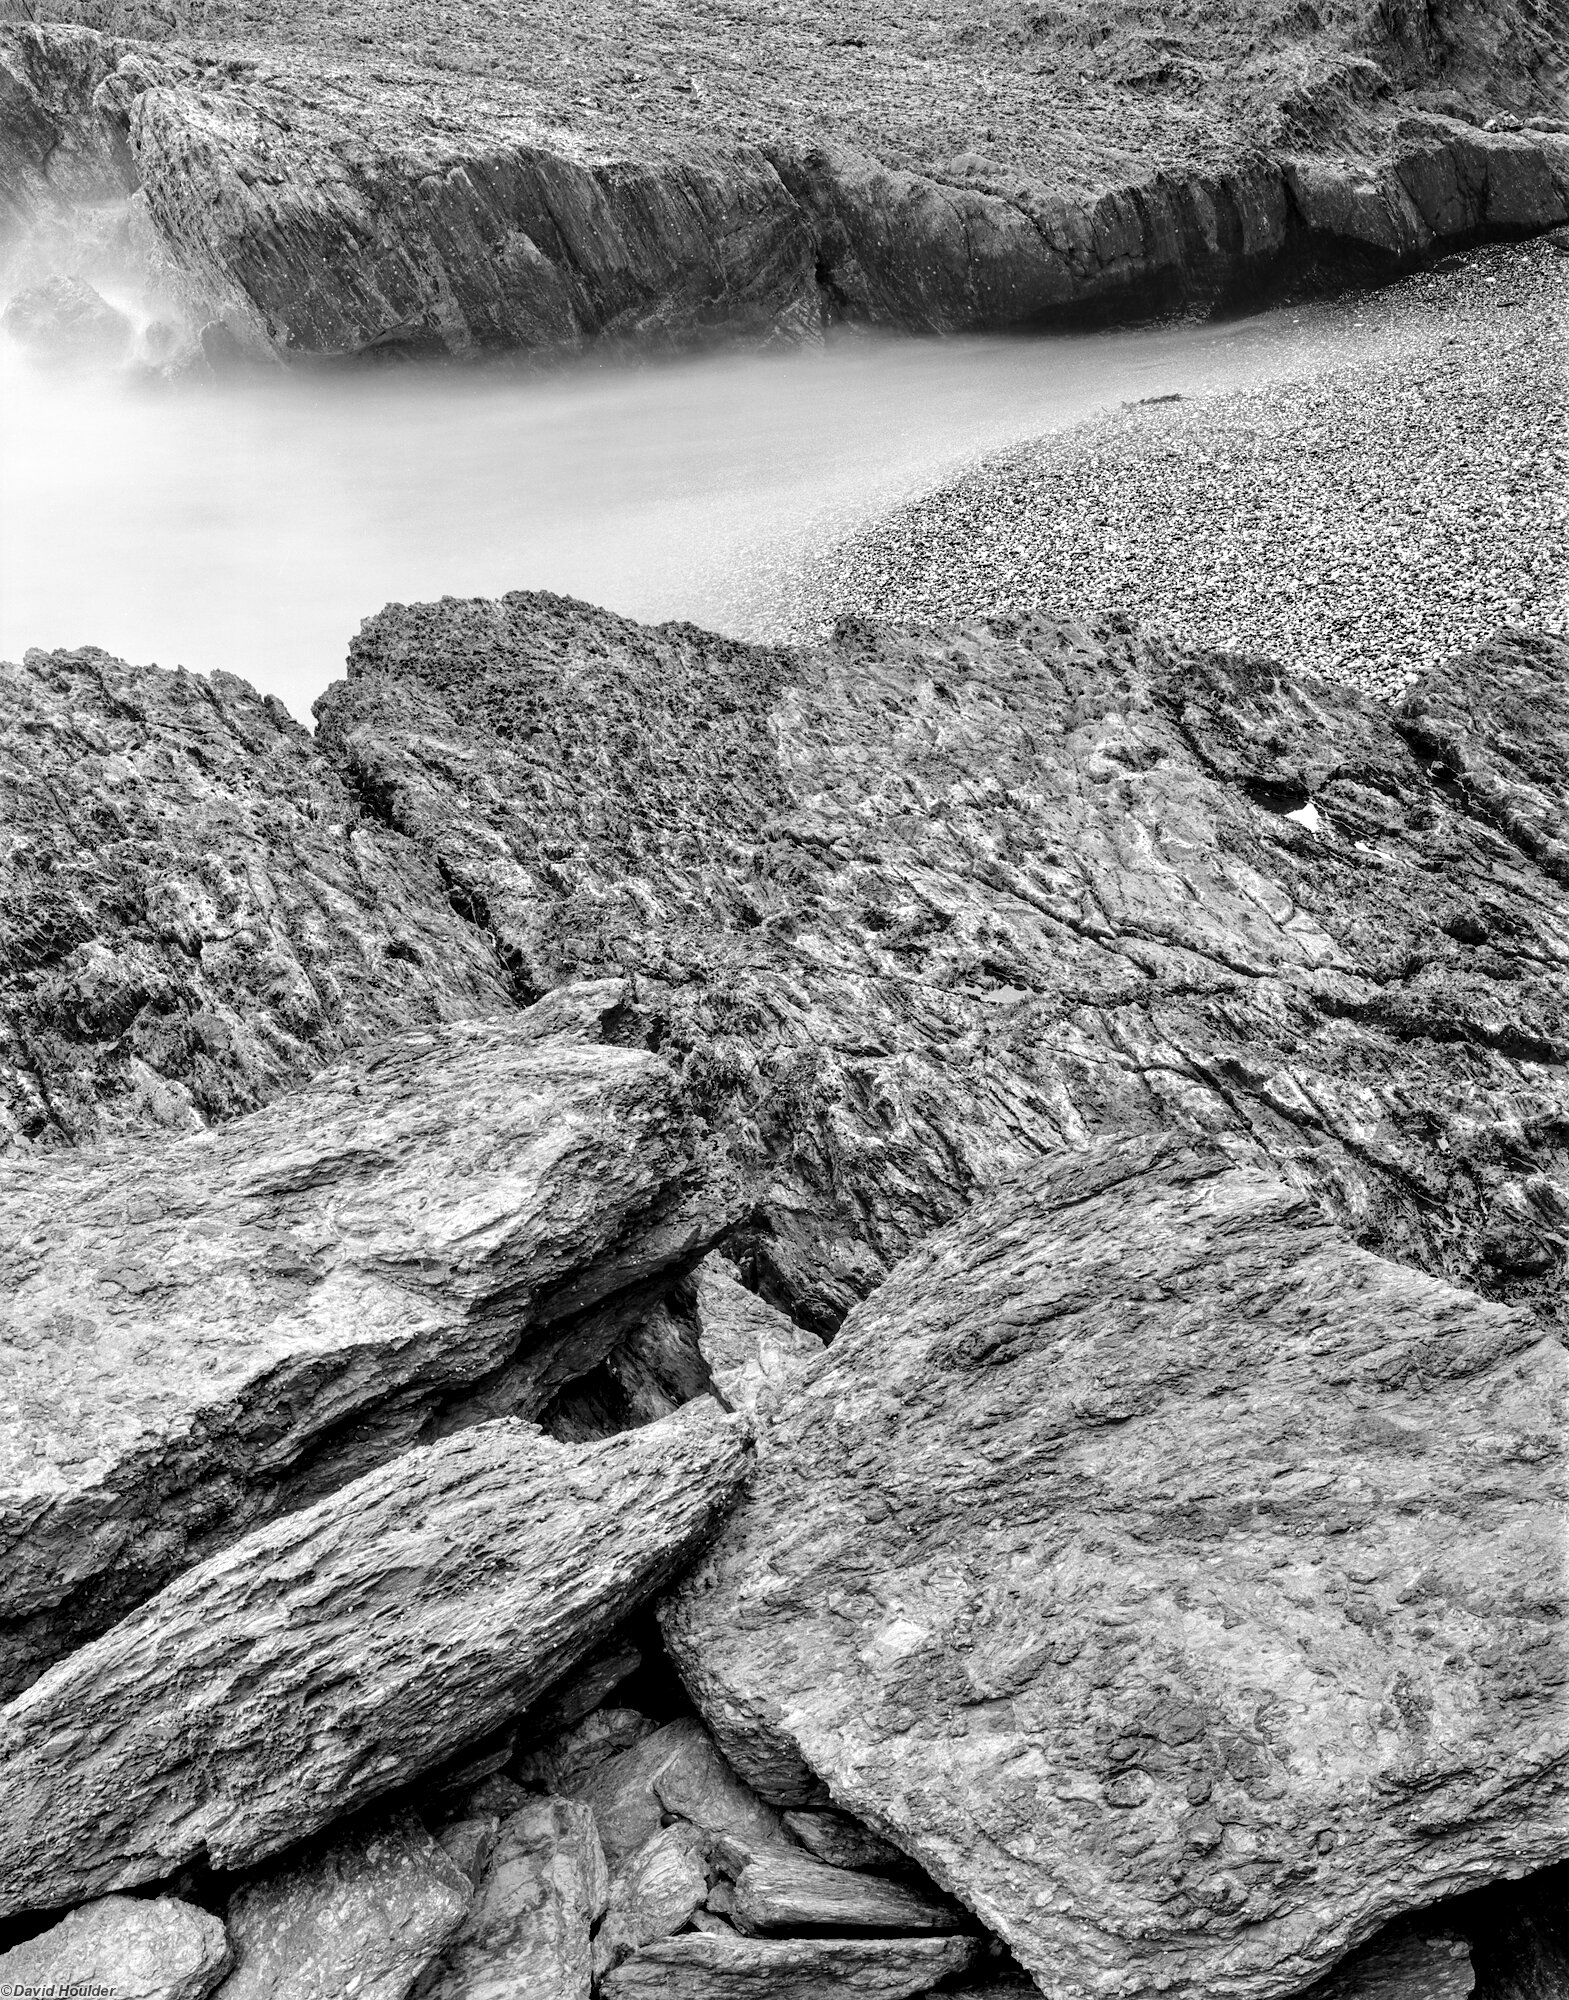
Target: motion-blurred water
x=251 y=522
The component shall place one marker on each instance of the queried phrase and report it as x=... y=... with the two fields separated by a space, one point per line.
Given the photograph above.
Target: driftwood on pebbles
x=1178 y=1583
x=330 y=1657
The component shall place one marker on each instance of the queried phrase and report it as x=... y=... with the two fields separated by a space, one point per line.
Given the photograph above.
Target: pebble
x=1396 y=504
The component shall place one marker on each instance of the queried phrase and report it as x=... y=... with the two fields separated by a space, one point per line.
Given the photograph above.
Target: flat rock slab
x=701 y=1965
x=197 y=1331
x=363 y=1913
x=197 y=912
x=1181 y=1585
x=919 y=905
x=332 y=1656
x=783 y=1893
x=160 y=1949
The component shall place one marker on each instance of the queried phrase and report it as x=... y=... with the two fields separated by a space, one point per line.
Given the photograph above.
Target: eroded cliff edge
x=316 y=206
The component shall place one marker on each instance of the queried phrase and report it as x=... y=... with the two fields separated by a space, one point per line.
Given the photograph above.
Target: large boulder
x=195 y=913
x=157 y=1949
x=200 y=1331
x=916 y=906
x=328 y=1658
x=1179 y=1584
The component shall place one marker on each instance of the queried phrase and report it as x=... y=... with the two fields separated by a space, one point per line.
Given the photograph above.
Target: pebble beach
x=1396 y=505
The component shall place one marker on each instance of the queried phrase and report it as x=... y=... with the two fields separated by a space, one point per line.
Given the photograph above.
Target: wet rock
x=724 y=1966
x=843 y=1842
x=923 y=904
x=675 y=1771
x=1172 y=1578
x=1413 y=1966
x=196 y=913
x=338 y=1654
x=652 y=1894
x=362 y=1915
x=780 y=1892
x=752 y=1350
x=160 y=1949
x=528 y=1930
x=202 y=1330
x=64 y=319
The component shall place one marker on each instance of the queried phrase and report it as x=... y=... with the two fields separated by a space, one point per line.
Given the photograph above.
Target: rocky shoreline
x=1005 y=1180
x=291 y=209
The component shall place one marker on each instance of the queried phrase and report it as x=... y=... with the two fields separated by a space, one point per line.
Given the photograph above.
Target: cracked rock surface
x=1178 y=1583
x=328 y=1658
x=922 y=903
x=200 y=1331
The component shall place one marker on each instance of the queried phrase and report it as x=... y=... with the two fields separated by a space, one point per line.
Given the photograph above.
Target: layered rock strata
x=920 y=904
x=1178 y=1583
x=203 y=1331
x=287 y=204
x=329 y=1658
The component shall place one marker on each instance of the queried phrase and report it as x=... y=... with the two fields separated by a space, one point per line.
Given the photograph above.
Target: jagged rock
x=752 y=1350
x=335 y=1655
x=918 y=906
x=653 y=1369
x=779 y=1892
x=160 y=1949
x=843 y=1842
x=583 y=1691
x=363 y=1914
x=195 y=913
x=652 y=1894
x=469 y=1843
x=676 y=1771
x=564 y=1761
x=723 y=1966
x=528 y=1930
x=1413 y=1966
x=202 y=1330
x=65 y=319
x=1179 y=1584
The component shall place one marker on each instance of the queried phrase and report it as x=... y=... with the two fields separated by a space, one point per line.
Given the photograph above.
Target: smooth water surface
x=251 y=522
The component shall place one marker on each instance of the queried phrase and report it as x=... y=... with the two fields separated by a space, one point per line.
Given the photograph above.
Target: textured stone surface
x=652 y=1894
x=1416 y=1966
x=198 y=1330
x=723 y=1966
x=194 y=912
x=785 y=1893
x=752 y=1350
x=675 y=1771
x=332 y=1656
x=528 y=1930
x=841 y=1841
x=363 y=1914
x=920 y=905
x=155 y=1950
x=1180 y=1585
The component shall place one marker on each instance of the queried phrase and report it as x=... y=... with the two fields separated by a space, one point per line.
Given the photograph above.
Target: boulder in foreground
x=160 y=1949
x=1179 y=1584
x=198 y=1331
x=330 y=1657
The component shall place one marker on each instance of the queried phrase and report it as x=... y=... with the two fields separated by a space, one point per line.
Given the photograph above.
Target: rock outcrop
x=1178 y=1583
x=160 y=1949
x=194 y=912
x=916 y=906
x=199 y=1332
x=309 y=212
x=362 y=1913
x=329 y=1658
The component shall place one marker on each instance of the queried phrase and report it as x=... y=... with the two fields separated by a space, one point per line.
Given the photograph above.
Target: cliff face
x=318 y=209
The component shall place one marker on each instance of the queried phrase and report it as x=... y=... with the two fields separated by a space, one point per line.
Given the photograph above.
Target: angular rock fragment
x=782 y=1893
x=675 y=1771
x=843 y=1842
x=917 y=906
x=652 y=1894
x=1181 y=1585
x=752 y=1350
x=564 y=1762
x=196 y=912
x=337 y=1654
x=724 y=1966
x=159 y=1949
x=528 y=1930
x=195 y=1332
x=361 y=1914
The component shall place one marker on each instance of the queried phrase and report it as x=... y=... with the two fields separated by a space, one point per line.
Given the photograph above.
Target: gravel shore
x=1394 y=506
